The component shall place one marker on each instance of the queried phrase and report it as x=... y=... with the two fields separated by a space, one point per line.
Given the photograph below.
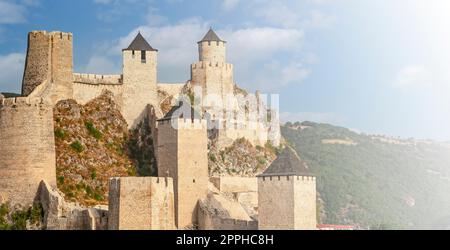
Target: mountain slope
x=375 y=181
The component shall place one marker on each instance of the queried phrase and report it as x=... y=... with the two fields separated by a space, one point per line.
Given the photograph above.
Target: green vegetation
x=17 y=220
x=77 y=146
x=141 y=150
x=376 y=184
x=93 y=174
x=93 y=131
x=59 y=133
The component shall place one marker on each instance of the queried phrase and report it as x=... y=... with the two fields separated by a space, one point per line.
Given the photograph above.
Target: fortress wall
x=256 y=133
x=84 y=93
x=27 y=147
x=235 y=184
x=141 y=203
x=97 y=79
x=208 y=221
x=173 y=89
x=287 y=202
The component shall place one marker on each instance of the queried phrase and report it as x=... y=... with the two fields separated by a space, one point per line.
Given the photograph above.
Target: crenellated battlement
x=94 y=79
x=185 y=124
x=54 y=34
x=20 y=101
x=213 y=43
x=206 y=65
x=289 y=178
x=129 y=182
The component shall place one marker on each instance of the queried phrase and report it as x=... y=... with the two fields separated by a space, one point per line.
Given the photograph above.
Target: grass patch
x=77 y=146
x=61 y=134
x=93 y=130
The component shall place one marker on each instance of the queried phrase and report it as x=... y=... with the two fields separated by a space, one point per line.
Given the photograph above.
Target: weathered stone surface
x=62 y=215
x=220 y=211
x=27 y=148
x=182 y=155
x=235 y=184
x=141 y=203
x=287 y=202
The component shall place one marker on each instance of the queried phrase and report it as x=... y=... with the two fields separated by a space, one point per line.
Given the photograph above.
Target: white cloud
x=250 y=44
x=274 y=75
x=10 y=12
x=12 y=66
x=413 y=75
x=230 y=4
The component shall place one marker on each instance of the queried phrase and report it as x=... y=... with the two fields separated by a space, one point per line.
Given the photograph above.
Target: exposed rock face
x=91 y=147
x=240 y=159
x=62 y=215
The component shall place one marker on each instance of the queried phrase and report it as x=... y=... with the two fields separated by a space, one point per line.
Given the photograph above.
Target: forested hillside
x=375 y=181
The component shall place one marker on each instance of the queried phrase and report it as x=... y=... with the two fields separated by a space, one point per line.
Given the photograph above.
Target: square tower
x=139 y=80
x=287 y=195
x=182 y=155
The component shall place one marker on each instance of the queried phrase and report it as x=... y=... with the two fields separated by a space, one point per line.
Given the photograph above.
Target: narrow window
x=132 y=54
x=143 y=56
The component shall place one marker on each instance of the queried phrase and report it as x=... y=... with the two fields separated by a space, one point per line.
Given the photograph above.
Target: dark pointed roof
x=288 y=163
x=211 y=36
x=183 y=108
x=139 y=43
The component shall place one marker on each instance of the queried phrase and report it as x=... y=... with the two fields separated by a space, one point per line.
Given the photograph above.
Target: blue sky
x=380 y=67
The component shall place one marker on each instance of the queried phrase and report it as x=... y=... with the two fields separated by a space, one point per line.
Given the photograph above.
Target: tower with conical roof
x=139 y=79
x=287 y=194
x=212 y=72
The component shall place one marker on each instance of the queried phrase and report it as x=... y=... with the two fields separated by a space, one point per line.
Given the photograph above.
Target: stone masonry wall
x=37 y=65
x=138 y=203
x=305 y=203
x=27 y=147
x=208 y=221
x=49 y=66
x=287 y=202
x=139 y=80
x=83 y=93
x=210 y=51
x=188 y=167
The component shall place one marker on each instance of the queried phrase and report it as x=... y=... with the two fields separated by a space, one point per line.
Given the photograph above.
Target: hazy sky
x=374 y=66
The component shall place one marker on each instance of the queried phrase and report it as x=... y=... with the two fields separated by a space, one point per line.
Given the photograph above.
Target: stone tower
x=27 y=146
x=139 y=80
x=212 y=72
x=49 y=65
x=182 y=155
x=287 y=195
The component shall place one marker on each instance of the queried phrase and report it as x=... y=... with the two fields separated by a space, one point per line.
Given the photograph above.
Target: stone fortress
x=183 y=195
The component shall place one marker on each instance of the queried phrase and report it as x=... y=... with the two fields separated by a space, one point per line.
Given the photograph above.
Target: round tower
x=27 y=148
x=49 y=62
x=212 y=48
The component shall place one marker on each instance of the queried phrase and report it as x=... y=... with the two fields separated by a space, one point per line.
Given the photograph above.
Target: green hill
x=375 y=181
